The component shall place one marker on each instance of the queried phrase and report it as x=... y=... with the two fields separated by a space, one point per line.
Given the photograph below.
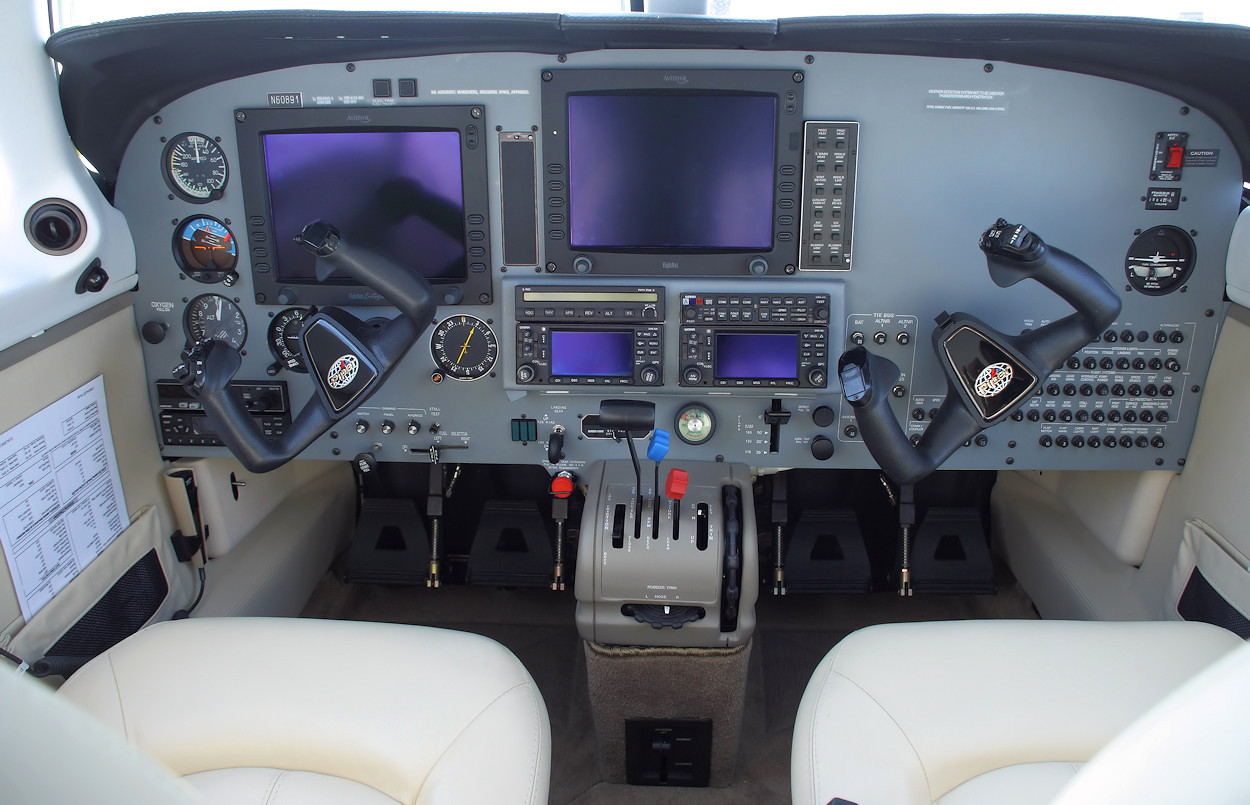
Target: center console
x=675 y=571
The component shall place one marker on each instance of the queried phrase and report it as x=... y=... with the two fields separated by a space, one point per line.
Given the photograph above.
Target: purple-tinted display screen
x=398 y=193
x=772 y=356
x=591 y=354
x=675 y=171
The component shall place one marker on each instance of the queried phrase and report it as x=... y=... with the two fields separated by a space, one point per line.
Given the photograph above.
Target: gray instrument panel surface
x=944 y=149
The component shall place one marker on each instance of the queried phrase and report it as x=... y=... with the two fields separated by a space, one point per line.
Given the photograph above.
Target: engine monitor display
x=767 y=356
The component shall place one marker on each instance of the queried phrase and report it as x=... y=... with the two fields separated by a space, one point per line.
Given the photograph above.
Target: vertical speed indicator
x=464 y=347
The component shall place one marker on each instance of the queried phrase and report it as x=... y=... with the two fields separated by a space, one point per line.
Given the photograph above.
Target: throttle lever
x=989 y=374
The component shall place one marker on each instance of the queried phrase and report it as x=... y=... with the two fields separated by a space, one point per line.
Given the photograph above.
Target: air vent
x=55 y=226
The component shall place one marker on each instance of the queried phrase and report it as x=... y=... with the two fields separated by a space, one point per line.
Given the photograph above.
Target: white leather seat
x=969 y=712
x=301 y=711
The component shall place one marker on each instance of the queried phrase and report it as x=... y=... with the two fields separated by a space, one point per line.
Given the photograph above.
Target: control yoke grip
x=210 y=366
x=1013 y=253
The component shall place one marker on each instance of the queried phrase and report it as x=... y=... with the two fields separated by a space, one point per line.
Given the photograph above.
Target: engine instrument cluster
x=709 y=236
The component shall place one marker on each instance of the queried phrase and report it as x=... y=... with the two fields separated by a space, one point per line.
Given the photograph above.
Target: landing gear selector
x=348 y=358
x=989 y=374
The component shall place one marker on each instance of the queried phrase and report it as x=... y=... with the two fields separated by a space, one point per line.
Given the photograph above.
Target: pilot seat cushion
x=325 y=711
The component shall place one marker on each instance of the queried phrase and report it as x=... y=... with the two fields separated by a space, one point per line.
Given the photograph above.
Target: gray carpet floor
x=793 y=634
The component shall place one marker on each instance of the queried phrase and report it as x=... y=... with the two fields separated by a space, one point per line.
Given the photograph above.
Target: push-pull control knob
x=822 y=448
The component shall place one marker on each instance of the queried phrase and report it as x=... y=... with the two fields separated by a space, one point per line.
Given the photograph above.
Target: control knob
x=817 y=376
x=361 y=426
x=524 y=373
x=822 y=448
x=692 y=375
x=650 y=375
x=387 y=426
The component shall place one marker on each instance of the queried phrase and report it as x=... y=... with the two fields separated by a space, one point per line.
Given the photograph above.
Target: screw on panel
x=797 y=77
x=989 y=68
x=351 y=68
x=809 y=59
x=1195 y=389
x=562 y=58
x=1180 y=462
x=1209 y=313
x=475 y=112
x=548 y=75
x=1184 y=110
x=240 y=116
x=157 y=120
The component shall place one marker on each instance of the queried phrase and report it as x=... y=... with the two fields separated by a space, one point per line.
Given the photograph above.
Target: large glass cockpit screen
x=672 y=171
x=398 y=193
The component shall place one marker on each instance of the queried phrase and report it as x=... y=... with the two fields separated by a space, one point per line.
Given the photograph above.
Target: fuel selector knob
x=524 y=373
x=822 y=448
x=650 y=375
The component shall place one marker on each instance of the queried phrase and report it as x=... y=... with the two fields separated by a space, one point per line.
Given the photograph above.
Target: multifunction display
x=672 y=172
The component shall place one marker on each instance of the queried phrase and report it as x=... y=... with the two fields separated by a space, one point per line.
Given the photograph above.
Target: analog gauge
x=195 y=167
x=1160 y=260
x=464 y=347
x=695 y=424
x=284 y=343
x=205 y=249
x=215 y=317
